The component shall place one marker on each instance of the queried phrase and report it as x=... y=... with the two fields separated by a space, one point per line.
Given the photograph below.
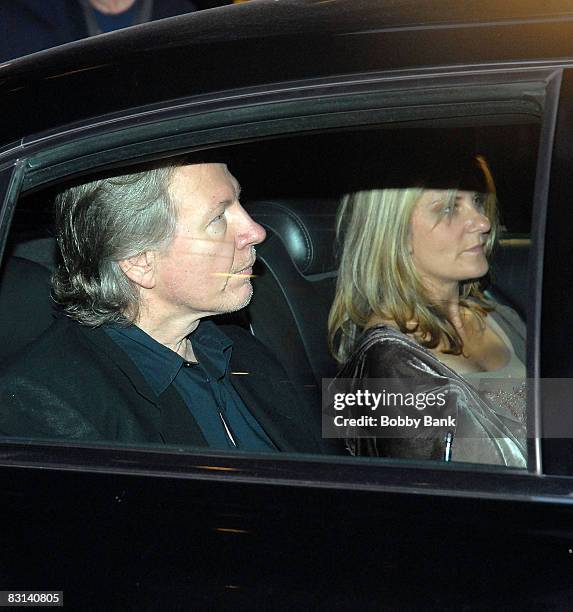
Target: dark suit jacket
x=75 y=383
x=27 y=26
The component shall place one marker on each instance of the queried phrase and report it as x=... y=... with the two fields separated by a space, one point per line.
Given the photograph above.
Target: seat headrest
x=305 y=227
x=26 y=309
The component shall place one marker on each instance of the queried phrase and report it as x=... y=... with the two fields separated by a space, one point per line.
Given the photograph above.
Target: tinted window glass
x=293 y=187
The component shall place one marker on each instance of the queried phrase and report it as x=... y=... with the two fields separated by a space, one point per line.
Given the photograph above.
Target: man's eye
x=218 y=218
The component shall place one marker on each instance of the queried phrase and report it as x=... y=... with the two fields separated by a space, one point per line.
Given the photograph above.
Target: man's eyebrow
x=230 y=200
x=225 y=201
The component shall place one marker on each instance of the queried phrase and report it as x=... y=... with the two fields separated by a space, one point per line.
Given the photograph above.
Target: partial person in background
x=408 y=307
x=27 y=26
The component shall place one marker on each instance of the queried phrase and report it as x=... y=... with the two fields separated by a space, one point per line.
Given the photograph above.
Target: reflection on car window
x=190 y=300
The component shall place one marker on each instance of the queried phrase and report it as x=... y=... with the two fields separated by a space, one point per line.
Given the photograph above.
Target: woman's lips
x=476 y=249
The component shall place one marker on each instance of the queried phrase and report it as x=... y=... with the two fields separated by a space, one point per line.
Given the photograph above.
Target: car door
x=120 y=527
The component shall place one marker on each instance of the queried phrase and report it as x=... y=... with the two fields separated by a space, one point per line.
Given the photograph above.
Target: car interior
x=292 y=186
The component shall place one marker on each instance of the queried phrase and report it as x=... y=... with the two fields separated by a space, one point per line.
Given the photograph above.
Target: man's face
x=207 y=267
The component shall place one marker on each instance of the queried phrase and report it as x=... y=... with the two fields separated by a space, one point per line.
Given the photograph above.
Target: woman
x=408 y=307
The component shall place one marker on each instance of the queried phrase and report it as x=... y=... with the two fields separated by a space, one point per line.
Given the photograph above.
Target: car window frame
x=39 y=155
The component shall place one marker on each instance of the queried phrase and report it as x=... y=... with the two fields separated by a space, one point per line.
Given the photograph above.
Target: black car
x=298 y=97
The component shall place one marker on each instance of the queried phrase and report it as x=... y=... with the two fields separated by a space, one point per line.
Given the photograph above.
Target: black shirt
x=205 y=386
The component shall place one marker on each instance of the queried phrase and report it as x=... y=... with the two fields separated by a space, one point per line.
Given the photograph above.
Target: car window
x=293 y=187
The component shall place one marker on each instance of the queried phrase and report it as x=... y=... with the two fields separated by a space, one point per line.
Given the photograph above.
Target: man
x=146 y=257
x=27 y=26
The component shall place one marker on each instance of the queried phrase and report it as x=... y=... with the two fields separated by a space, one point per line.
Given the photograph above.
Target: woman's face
x=447 y=238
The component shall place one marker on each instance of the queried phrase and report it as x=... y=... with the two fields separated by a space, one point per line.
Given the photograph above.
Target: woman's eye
x=450 y=208
x=479 y=200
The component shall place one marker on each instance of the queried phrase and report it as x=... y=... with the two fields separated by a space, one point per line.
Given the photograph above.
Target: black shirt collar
x=160 y=365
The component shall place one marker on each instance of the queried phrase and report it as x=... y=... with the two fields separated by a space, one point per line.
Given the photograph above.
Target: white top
x=505 y=387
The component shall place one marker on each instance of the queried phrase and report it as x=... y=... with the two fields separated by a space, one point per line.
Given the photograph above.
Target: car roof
x=265 y=42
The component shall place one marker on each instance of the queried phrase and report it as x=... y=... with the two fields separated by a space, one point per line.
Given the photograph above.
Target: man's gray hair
x=100 y=223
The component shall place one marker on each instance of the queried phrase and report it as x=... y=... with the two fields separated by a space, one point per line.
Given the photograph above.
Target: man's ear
x=140 y=269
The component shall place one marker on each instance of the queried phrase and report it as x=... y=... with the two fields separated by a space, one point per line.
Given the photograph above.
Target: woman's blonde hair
x=377 y=277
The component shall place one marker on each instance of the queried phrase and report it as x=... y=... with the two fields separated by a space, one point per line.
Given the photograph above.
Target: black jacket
x=484 y=432
x=75 y=383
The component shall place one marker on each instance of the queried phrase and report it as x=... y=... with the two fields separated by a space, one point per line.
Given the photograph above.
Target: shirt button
x=187 y=364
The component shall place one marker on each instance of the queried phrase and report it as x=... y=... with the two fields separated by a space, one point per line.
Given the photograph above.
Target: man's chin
x=239 y=304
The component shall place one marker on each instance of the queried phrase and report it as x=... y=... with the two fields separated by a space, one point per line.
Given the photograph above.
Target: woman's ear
x=140 y=269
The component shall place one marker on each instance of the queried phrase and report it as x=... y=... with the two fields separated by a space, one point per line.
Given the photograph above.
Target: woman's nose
x=484 y=223
x=478 y=221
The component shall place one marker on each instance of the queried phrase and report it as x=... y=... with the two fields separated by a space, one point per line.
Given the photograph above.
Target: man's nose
x=250 y=232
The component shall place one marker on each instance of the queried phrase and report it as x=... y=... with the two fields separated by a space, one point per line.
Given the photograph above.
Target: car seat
x=294 y=288
x=26 y=308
